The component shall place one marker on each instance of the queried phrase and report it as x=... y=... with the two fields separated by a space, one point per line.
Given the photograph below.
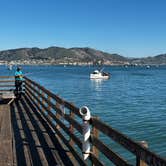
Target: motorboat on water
x=99 y=75
x=10 y=67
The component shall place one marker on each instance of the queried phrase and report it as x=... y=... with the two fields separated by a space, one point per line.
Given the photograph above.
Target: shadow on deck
x=35 y=143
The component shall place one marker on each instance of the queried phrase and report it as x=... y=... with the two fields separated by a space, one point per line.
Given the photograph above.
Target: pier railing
x=61 y=115
x=143 y=155
x=66 y=121
x=7 y=83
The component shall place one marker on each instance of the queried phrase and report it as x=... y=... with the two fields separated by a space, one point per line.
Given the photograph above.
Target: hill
x=59 y=55
x=80 y=56
x=156 y=60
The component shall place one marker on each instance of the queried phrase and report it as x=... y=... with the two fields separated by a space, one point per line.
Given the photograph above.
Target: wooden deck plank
x=6 y=155
x=7 y=95
x=35 y=145
x=22 y=152
x=29 y=146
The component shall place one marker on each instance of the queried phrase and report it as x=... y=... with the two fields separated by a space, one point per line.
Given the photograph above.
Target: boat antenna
x=102 y=69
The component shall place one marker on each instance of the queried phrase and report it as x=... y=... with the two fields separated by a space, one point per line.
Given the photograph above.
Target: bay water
x=132 y=101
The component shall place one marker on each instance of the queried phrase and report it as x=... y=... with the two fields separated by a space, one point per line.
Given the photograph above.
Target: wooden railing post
x=42 y=94
x=57 y=115
x=25 y=84
x=49 y=99
x=49 y=107
x=36 y=95
x=71 y=128
x=43 y=102
x=32 y=90
x=139 y=161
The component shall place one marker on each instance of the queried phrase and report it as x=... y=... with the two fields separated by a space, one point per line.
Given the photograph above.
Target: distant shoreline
x=77 y=64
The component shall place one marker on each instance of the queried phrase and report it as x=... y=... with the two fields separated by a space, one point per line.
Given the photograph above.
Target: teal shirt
x=19 y=75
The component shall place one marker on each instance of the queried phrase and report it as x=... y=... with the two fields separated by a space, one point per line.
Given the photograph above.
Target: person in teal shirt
x=18 y=80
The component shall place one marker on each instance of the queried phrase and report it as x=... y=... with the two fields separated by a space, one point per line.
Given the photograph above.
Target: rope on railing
x=85 y=113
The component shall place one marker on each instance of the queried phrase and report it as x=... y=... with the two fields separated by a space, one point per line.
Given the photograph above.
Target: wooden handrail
x=115 y=158
x=7 y=85
x=2 y=77
x=6 y=81
x=134 y=147
x=52 y=95
x=55 y=97
x=59 y=111
x=75 y=124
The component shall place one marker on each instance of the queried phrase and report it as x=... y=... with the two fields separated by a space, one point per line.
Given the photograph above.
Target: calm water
x=132 y=101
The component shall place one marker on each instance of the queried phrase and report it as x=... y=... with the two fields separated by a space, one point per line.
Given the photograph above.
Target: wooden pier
x=40 y=128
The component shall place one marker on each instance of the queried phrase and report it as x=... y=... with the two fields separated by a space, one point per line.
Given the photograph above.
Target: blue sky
x=132 y=28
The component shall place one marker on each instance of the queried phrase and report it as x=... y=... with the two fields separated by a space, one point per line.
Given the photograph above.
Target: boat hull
x=94 y=76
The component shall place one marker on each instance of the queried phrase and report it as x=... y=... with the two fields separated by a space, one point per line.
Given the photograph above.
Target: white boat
x=99 y=75
x=10 y=67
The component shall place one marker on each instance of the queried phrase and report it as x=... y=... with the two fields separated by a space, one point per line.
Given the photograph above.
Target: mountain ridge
x=74 y=55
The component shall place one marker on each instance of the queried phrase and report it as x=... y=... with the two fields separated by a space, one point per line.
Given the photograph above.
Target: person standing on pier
x=18 y=81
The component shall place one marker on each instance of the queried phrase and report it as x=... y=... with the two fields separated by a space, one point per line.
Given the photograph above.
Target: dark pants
x=18 y=85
